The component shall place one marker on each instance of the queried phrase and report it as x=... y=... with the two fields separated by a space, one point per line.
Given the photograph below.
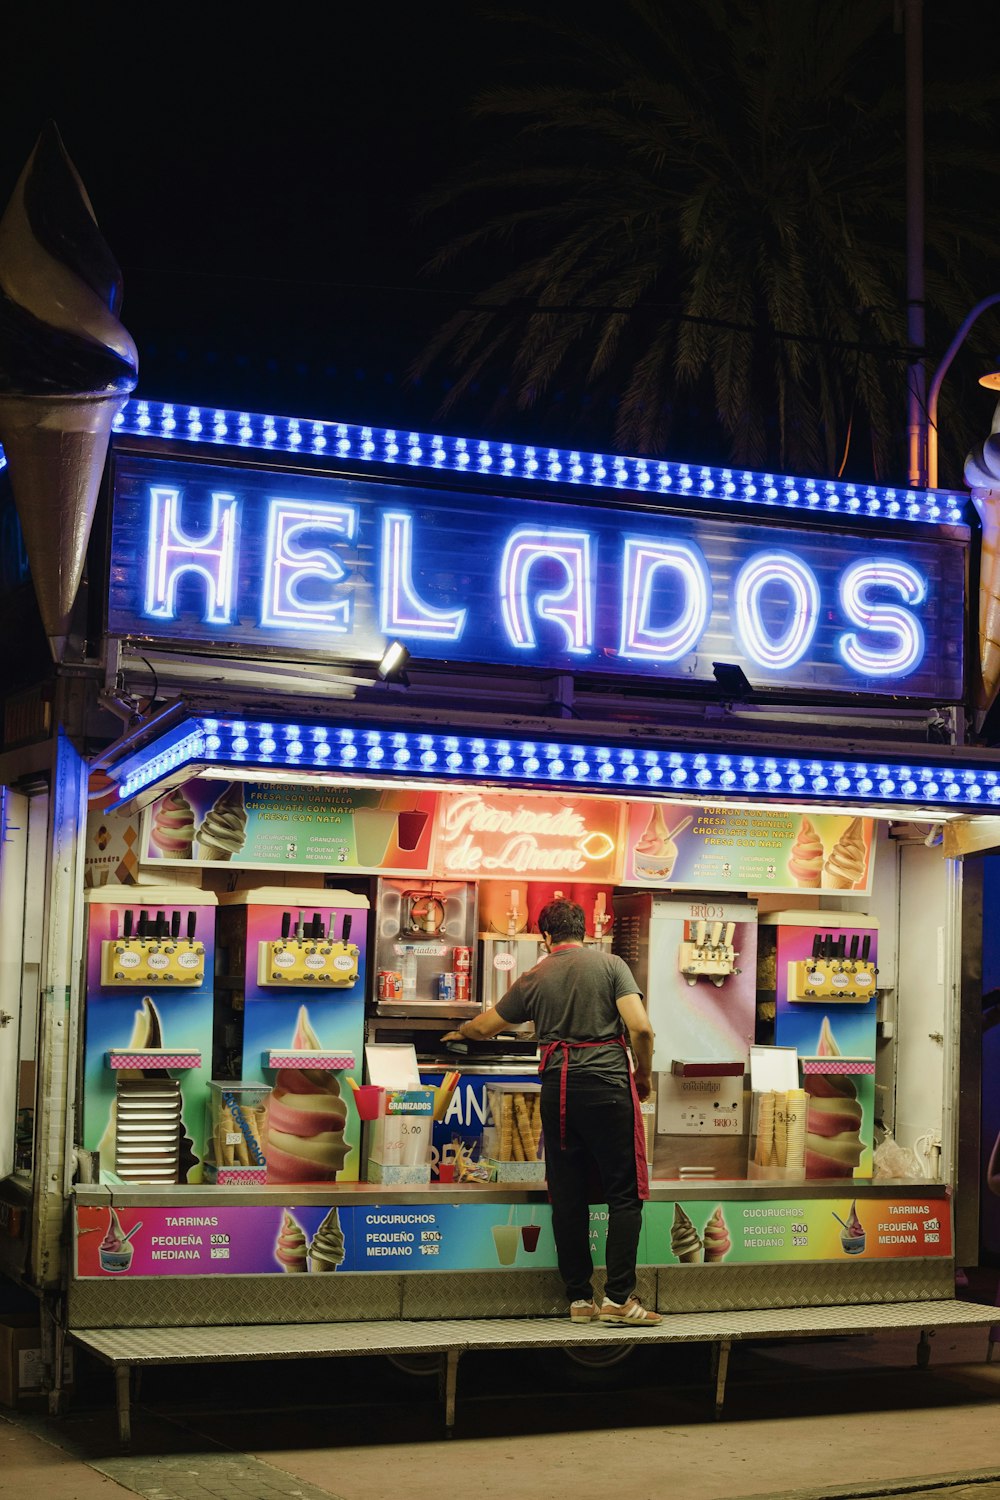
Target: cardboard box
x=21 y=1368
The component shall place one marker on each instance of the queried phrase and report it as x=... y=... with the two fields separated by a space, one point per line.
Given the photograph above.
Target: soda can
x=446 y=986
x=463 y=985
x=380 y=978
x=389 y=984
x=462 y=959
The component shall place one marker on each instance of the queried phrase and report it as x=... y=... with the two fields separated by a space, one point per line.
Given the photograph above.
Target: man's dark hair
x=564 y=921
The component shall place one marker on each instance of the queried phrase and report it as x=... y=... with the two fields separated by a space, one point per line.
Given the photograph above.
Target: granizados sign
x=336 y=567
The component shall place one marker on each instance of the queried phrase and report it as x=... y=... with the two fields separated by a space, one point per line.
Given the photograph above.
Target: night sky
x=256 y=175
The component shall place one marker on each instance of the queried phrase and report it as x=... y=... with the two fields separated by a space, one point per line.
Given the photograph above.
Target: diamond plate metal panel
x=144 y=1302
x=193 y=1345
x=499 y=1294
x=684 y=1289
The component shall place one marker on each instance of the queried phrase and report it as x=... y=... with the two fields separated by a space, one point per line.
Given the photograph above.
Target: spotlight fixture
x=732 y=680
x=392 y=667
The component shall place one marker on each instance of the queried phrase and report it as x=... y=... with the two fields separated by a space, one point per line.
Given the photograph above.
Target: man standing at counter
x=582 y=1002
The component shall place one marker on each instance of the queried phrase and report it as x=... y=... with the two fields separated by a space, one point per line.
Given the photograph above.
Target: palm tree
x=705 y=202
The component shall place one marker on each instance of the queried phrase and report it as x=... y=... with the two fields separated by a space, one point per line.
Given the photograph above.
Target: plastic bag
x=891 y=1160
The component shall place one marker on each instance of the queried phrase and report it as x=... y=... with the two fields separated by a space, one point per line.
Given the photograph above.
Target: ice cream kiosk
x=293 y=875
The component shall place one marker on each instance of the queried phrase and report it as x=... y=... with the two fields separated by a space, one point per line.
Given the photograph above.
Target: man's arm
x=479 y=1029
x=640 y=1035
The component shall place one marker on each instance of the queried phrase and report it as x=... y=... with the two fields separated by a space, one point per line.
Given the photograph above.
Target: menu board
x=159 y=1240
x=684 y=846
x=271 y=826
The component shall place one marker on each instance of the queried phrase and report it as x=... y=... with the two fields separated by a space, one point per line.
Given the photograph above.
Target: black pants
x=600 y=1131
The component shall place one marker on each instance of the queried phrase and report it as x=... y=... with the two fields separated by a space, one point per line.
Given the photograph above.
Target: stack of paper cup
x=797 y=1101
x=780 y=1129
x=765 y=1130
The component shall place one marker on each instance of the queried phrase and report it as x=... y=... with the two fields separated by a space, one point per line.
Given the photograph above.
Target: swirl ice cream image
x=852 y=1235
x=116 y=1248
x=147 y=1035
x=326 y=1249
x=982 y=475
x=833 y=1126
x=290 y=1246
x=173 y=825
x=717 y=1241
x=827 y=1044
x=305 y=1119
x=223 y=830
x=845 y=864
x=66 y=368
x=685 y=1241
x=805 y=863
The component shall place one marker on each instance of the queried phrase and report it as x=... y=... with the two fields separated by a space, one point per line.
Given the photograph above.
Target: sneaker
x=584 y=1311
x=631 y=1312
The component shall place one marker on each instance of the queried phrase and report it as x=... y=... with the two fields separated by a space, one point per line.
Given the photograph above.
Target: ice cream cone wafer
x=692 y=1257
x=213 y=854
x=765 y=1131
x=56 y=447
x=838 y=883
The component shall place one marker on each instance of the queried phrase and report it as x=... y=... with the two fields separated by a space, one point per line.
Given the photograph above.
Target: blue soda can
x=446 y=987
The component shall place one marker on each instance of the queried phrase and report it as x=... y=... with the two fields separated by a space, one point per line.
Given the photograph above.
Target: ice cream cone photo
x=847 y=861
x=66 y=368
x=223 y=829
x=290 y=1246
x=717 y=1241
x=685 y=1241
x=805 y=863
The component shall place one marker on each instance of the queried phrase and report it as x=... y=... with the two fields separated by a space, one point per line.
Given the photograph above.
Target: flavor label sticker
x=679 y=847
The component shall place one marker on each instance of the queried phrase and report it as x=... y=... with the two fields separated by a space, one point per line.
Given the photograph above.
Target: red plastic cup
x=368 y=1099
x=529 y=1236
x=446 y=1171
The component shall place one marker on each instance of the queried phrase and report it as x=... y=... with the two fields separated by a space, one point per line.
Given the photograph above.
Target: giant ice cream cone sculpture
x=305 y=1119
x=982 y=475
x=845 y=863
x=66 y=368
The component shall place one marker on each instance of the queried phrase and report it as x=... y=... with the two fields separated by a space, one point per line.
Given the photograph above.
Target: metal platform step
x=123 y=1348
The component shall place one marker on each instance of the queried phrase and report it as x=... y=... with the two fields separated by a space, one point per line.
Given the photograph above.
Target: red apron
x=639 y=1133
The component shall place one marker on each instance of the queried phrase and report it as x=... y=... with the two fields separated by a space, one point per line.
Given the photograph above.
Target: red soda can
x=463 y=985
x=380 y=979
x=462 y=960
x=394 y=985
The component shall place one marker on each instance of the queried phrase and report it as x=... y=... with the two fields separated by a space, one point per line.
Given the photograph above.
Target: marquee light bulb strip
x=347 y=441
x=415 y=754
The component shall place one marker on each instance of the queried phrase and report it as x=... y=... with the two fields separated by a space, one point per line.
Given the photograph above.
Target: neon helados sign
x=335 y=567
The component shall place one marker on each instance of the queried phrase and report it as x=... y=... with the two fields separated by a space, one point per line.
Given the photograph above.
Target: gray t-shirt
x=572 y=996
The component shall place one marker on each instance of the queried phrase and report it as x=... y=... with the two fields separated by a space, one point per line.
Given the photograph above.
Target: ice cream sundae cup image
x=852 y=1232
x=685 y=1242
x=290 y=1246
x=655 y=852
x=116 y=1248
x=223 y=831
x=66 y=368
x=845 y=864
x=833 y=1126
x=305 y=1118
x=805 y=863
x=717 y=1241
x=326 y=1249
x=172 y=829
